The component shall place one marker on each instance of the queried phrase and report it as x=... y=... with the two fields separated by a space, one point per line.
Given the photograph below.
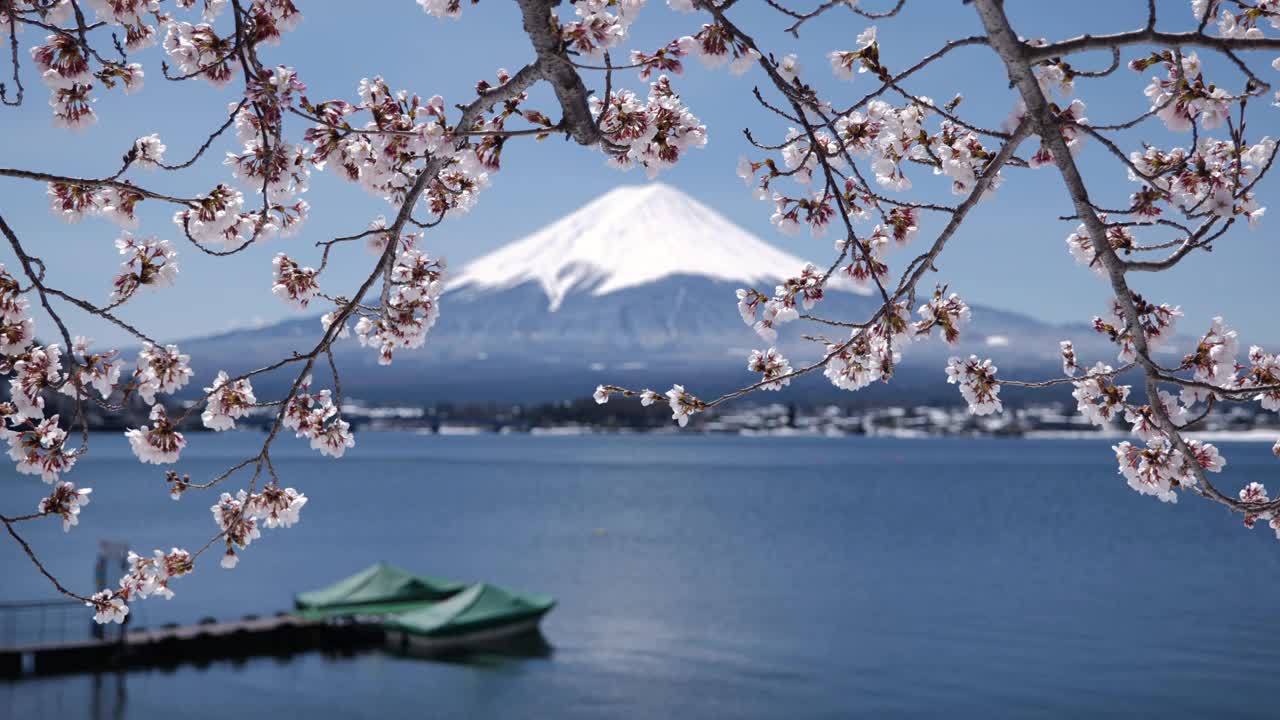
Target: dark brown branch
x=1147 y=36
x=555 y=68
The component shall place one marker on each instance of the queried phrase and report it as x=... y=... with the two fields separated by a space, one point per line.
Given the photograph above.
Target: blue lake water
x=709 y=577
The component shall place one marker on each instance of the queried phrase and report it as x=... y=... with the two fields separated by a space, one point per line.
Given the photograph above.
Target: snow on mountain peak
x=630 y=236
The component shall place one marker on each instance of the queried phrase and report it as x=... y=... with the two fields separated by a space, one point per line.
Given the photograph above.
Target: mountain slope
x=635 y=288
x=629 y=237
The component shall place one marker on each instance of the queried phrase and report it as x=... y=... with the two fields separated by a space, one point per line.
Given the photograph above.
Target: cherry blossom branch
x=31 y=555
x=555 y=68
x=1147 y=36
x=924 y=62
x=13 y=59
x=802 y=18
x=91 y=182
x=200 y=151
x=36 y=279
x=1017 y=57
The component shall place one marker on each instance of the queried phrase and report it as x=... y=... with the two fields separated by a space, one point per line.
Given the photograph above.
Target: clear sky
x=1011 y=254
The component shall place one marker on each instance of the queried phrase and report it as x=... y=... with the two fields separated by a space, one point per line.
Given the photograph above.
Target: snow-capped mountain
x=629 y=237
x=635 y=288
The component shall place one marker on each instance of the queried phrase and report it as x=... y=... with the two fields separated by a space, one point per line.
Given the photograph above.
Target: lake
x=707 y=577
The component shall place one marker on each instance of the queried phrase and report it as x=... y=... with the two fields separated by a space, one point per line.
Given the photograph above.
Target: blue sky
x=1010 y=254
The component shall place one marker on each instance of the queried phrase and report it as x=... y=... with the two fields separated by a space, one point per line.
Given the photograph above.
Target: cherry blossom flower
x=1143 y=419
x=1157 y=322
x=198 y=50
x=276 y=89
x=442 y=8
x=107 y=607
x=16 y=334
x=962 y=157
x=816 y=212
x=597 y=30
x=376 y=244
x=161 y=370
x=122 y=12
x=412 y=307
x=149 y=576
x=866 y=267
x=1098 y=398
x=1254 y=492
x=217 y=219
x=294 y=284
x=334 y=439
x=664 y=59
x=276 y=507
x=73 y=107
x=772 y=365
x=65 y=501
x=38 y=371
x=160 y=444
x=41 y=450
x=865 y=57
x=902 y=225
x=238 y=527
x=1214 y=175
x=789 y=68
x=1068 y=121
x=1080 y=245
x=978 y=384
x=307 y=413
x=101 y=371
x=948 y=314
x=714 y=45
x=1213 y=361
x=130 y=76
x=747 y=169
x=1150 y=471
x=1182 y=96
x=1161 y=470
x=654 y=134
x=800 y=157
x=119 y=205
x=683 y=405
x=601 y=395
x=1207 y=456
x=72 y=202
x=61 y=62
x=1069 y=364
x=149 y=262
x=749 y=301
x=865 y=359
x=227 y=400
x=1055 y=79
x=779 y=309
x=1263 y=372
x=280 y=168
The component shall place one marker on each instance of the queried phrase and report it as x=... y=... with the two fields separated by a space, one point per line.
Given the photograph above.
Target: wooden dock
x=171 y=645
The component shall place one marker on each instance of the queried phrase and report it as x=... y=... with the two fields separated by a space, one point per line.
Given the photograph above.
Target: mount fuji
x=628 y=238
x=635 y=288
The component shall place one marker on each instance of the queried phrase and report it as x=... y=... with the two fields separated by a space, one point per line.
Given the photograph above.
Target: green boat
x=482 y=614
x=377 y=590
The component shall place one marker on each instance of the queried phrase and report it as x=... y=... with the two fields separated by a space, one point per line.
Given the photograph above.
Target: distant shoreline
x=1251 y=436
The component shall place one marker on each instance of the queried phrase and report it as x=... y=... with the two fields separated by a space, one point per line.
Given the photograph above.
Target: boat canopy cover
x=479 y=607
x=377 y=589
